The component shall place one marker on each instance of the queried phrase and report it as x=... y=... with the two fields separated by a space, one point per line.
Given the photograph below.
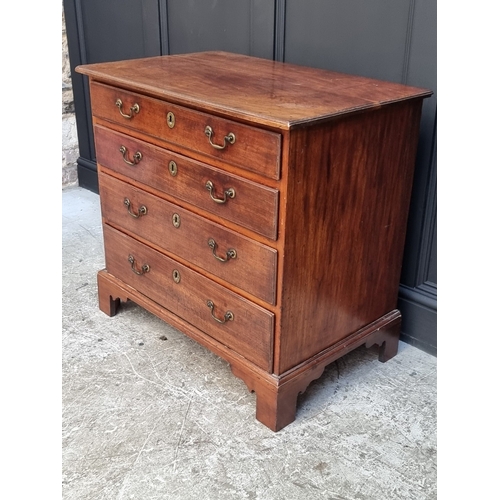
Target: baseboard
x=87 y=175
x=418 y=308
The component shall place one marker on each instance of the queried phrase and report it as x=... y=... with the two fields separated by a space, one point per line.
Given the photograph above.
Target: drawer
x=253 y=206
x=253 y=149
x=236 y=259
x=223 y=315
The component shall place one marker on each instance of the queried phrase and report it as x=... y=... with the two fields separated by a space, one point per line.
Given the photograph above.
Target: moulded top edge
x=256 y=90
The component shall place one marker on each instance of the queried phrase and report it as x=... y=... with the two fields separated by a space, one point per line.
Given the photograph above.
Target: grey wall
x=392 y=40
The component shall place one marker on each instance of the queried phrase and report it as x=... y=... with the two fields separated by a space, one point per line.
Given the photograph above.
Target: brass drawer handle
x=142 y=209
x=228 y=193
x=144 y=269
x=135 y=159
x=229 y=316
x=133 y=110
x=230 y=138
x=230 y=254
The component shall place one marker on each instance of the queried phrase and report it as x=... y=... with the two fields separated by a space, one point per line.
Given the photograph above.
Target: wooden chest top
x=251 y=89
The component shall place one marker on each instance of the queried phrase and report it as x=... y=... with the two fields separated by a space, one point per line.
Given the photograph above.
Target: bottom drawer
x=227 y=317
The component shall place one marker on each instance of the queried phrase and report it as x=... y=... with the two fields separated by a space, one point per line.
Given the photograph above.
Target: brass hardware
x=172 y=168
x=142 y=209
x=136 y=158
x=231 y=193
x=230 y=254
x=176 y=220
x=229 y=316
x=231 y=138
x=170 y=119
x=133 y=110
x=144 y=269
x=176 y=275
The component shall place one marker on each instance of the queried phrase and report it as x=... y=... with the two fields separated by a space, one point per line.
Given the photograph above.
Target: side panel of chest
x=348 y=196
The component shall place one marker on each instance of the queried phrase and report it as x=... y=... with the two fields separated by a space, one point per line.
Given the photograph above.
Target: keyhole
x=176 y=275
x=176 y=220
x=172 y=167
x=170 y=119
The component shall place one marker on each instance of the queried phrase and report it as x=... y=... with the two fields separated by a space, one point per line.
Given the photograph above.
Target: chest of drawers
x=258 y=207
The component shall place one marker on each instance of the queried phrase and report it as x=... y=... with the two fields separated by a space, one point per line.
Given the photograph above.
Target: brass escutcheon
x=170 y=119
x=176 y=275
x=176 y=220
x=172 y=168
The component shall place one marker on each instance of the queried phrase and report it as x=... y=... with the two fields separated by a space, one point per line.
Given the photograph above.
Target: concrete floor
x=149 y=414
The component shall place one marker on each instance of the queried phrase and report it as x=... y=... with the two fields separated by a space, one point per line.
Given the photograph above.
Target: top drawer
x=243 y=146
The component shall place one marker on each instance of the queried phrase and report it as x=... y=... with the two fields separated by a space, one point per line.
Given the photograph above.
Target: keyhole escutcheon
x=170 y=119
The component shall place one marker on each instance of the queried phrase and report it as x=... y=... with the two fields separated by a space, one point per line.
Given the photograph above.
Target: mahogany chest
x=259 y=207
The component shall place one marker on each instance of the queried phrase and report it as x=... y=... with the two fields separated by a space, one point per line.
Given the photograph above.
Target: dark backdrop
x=392 y=40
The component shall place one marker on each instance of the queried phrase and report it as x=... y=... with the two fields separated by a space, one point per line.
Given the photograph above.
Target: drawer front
x=236 y=259
x=253 y=206
x=225 y=316
x=253 y=149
